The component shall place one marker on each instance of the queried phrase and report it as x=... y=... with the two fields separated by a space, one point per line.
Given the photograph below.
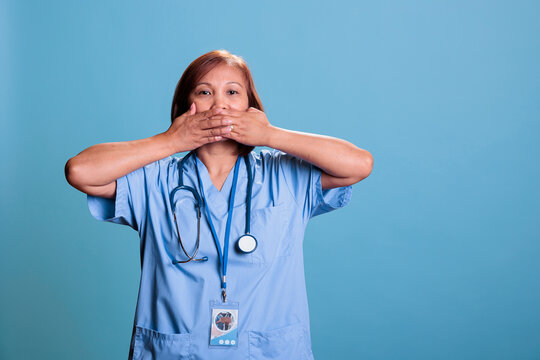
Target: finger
x=231 y=133
x=235 y=119
x=227 y=118
x=210 y=139
x=215 y=122
x=231 y=112
x=206 y=114
x=252 y=109
x=192 y=109
x=217 y=131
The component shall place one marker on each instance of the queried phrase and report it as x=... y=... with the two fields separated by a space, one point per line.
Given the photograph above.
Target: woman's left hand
x=249 y=127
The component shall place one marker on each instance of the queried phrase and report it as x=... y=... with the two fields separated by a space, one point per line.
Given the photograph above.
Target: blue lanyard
x=223 y=256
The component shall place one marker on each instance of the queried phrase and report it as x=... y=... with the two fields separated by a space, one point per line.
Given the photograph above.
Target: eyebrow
x=228 y=82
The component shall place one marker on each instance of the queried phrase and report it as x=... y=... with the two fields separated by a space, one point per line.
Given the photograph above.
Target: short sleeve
x=130 y=205
x=304 y=182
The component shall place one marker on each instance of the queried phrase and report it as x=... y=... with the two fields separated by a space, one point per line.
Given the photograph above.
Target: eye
x=203 y=92
x=233 y=91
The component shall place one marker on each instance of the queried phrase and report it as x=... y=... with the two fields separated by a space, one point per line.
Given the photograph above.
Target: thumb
x=192 y=109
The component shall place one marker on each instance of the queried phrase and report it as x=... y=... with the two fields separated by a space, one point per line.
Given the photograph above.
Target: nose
x=220 y=101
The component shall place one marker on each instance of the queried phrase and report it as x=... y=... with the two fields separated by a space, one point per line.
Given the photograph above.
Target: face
x=222 y=87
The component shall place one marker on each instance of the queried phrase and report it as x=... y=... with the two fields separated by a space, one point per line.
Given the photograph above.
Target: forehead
x=223 y=73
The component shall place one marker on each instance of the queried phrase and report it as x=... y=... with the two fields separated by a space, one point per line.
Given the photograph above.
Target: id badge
x=224 y=323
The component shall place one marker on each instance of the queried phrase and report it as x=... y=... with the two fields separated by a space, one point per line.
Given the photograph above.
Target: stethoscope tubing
x=201 y=202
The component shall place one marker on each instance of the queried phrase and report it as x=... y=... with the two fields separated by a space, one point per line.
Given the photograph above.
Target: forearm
x=335 y=156
x=102 y=164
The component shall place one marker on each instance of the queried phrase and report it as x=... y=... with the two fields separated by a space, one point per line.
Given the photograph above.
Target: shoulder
x=158 y=171
x=169 y=161
x=264 y=155
x=276 y=158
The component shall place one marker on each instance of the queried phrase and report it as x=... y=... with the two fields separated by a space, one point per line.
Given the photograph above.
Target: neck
x=219 y=157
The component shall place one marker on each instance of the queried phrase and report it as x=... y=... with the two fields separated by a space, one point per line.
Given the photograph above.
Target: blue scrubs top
x=173 y=316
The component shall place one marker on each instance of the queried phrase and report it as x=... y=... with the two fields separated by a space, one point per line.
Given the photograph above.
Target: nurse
x=203 y=294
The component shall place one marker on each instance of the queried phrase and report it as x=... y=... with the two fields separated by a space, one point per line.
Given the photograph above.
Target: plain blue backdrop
x=436 y=257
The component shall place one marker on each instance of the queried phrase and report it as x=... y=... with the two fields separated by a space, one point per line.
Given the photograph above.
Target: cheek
x=200 y=104
x=240 y=106
x=242 y=103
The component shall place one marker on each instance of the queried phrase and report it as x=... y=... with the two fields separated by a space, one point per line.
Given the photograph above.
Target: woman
x=224 y=280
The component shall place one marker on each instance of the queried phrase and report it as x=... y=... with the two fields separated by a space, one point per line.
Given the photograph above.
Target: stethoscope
x=245 y=244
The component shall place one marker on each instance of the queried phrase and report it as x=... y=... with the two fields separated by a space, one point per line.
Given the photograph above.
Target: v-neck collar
x=219 y=200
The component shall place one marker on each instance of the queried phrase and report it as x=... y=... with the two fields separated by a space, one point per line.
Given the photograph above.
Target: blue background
x=436 y=256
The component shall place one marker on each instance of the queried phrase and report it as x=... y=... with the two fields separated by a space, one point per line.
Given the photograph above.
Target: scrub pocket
x=150 y=344
x=269 y=226
x=290 y=342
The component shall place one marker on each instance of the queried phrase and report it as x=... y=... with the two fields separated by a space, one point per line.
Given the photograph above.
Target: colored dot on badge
x=233 y=342
x=221 y=342
x=226 y=342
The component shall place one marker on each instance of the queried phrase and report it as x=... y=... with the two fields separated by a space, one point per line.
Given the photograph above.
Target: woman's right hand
x=192 y=130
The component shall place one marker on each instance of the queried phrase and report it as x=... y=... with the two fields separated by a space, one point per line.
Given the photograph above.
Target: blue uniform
x=173 y=316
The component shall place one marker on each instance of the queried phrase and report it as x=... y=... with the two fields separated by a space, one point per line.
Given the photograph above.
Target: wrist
x=167 y=143
x=272 y=137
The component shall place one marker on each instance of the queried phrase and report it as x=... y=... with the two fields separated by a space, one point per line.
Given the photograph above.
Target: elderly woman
x=221 y=229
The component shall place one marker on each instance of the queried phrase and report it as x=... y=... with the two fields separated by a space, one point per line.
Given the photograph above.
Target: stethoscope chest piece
x=246 y=243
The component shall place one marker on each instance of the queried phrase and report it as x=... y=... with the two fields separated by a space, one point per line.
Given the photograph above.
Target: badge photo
x=224 y=328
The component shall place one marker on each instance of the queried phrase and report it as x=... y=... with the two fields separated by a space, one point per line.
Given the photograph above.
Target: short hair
x=200 y=67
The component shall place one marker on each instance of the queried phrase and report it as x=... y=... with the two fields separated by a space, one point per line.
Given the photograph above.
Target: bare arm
x=342 y=163
x=94 y=171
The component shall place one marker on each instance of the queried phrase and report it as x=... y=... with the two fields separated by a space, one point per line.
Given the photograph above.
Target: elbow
x=368 y=167
x=70 y=172
x=365 y=165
